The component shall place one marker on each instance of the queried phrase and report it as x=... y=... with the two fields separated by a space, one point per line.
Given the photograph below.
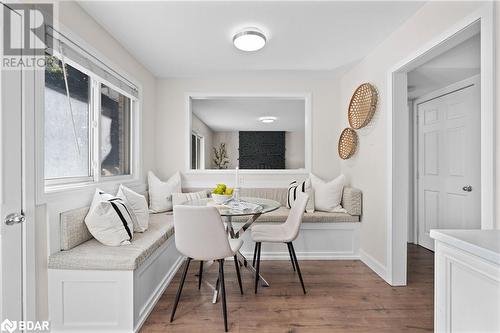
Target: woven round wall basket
x=362 y=106
x=348 y=142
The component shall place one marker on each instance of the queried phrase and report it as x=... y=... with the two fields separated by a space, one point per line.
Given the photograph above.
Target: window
x=115 y=132
x=67 y=119
x=88 y=125
x=197 y=151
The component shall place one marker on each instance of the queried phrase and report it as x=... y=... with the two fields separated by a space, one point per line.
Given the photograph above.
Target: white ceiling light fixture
x=268 y=120
x=249 y=39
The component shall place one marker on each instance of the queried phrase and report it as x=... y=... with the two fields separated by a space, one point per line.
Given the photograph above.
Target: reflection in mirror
x=248 y=132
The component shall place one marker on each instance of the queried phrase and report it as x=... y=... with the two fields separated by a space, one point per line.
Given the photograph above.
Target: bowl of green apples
x=221 y=194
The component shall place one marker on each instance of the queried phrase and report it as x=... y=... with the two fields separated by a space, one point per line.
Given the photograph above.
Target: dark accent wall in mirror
x=262 y=150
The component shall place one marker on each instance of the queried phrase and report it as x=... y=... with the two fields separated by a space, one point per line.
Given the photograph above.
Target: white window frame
x=63 y=184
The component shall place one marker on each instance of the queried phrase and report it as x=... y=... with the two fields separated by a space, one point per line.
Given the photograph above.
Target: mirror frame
x=306 y=96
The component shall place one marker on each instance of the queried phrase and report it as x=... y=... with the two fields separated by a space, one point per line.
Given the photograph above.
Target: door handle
x=467 y=188
x=14 y=218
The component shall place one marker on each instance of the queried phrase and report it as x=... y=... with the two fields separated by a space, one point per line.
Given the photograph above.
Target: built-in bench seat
x=92 y=255
x=351 y=202
x=93 y=287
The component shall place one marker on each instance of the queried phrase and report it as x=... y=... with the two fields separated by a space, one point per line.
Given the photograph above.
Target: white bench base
x=120 y=301
x=316 y=241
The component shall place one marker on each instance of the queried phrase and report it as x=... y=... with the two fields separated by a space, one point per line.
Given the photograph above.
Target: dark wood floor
x=343 y=296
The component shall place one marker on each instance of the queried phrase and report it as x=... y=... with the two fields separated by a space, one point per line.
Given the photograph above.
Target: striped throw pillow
x=180 y=198
x=110 y=220
x=305 y=187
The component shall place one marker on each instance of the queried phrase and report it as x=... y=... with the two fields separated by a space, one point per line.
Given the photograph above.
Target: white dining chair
x=282 y=233
x=200 y=235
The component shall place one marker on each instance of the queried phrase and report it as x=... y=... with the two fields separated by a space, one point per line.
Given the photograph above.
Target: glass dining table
x=259 y=206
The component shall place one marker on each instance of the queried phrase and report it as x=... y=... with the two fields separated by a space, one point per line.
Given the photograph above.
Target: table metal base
x=243 y=262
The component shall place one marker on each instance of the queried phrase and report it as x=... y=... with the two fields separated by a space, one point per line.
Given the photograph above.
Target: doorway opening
x=445 y=136
x=400 y=171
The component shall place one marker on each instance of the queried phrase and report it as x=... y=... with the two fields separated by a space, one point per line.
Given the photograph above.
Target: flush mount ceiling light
x=267 y=120
x=249 y=39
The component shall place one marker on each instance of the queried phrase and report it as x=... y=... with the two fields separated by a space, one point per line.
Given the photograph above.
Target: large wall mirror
x=249 y=132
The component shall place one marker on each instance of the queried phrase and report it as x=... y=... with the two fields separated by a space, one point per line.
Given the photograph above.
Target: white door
x=449 y=162
x=11 y=258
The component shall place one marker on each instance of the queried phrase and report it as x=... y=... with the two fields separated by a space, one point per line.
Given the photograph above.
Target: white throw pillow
x=305 y=187
x=328 y=196
x=109 y=220
x=180 y=198
x=138 y=206
x=160 y=193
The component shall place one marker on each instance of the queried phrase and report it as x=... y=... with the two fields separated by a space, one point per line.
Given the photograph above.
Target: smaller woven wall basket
x=348 y=142
x=362 y=106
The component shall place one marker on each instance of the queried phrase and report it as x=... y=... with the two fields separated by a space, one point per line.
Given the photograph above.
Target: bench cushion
x=92 y=255
x=281 y=214
x=73 y=230
x=351 y=197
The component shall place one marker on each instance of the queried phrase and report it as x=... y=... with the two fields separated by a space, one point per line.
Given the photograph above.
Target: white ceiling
x=194 y=38
x=456 y=64
x=242 y=114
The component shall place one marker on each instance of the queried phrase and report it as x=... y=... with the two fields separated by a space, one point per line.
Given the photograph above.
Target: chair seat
x=271 y=234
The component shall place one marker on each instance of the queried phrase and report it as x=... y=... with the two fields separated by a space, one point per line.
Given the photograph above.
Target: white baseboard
x=373 y=264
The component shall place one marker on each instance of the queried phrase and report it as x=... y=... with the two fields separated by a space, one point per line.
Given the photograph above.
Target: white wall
x=171 y=118
x=48 y=210
x=202 y=129
x=459 y=63
x=367 y=169
x=295 y=150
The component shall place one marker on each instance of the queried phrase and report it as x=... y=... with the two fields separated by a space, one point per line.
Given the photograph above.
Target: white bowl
x=221 y=198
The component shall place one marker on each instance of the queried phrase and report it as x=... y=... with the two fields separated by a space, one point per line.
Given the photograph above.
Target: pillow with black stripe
x=110 y=220
x=305 y=187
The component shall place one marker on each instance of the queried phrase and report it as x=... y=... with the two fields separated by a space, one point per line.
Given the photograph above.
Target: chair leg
x=200 y=274
x=257 y=270
x=237 y=265
x=297 y=266
x=223 y=290
x=291 y=256
x=179 y=291
x=254 y=254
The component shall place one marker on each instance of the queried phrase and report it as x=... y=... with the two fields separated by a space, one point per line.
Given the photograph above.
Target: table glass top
x=265 y=206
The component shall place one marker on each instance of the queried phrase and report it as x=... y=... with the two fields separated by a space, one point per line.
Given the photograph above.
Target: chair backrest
x=292 y=223
x=200 y=234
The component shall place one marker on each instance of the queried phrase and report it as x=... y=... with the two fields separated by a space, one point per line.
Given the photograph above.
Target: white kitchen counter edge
x=450 y=237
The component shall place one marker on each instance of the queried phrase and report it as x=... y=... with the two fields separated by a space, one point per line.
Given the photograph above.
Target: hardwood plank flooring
x=342 y=296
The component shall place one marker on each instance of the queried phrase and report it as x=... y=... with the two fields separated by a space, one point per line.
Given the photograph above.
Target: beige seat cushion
x=281 y=214
x=94 y=255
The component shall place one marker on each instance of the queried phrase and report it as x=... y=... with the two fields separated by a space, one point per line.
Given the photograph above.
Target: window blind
x=69 y=49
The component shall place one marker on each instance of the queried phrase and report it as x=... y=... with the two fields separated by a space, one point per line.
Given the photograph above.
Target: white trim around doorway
x=398 y=139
